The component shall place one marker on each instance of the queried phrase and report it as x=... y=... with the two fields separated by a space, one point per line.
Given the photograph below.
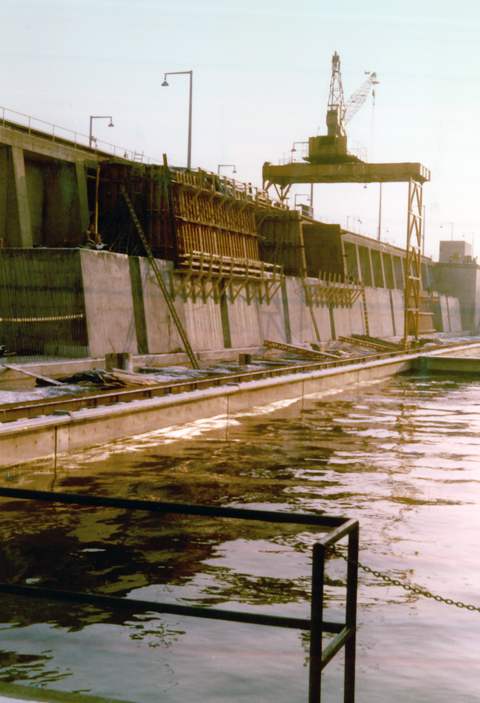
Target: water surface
x=400 y=456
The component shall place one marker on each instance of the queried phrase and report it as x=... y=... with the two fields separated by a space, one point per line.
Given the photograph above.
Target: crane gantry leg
x=413 y=274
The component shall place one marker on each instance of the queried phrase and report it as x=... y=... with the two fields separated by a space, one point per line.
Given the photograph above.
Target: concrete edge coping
x=34 y=423
x=10 y=691
x=138 y=406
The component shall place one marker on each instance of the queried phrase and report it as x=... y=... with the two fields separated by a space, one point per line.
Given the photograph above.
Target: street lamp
x=354 y=217
x=227 y=166
x=293 y=148
x=300 y=195
x=98 y=117
x=448 y=223
x=165 y=84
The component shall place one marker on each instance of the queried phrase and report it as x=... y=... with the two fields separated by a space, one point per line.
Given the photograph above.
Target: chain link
x=406 y=586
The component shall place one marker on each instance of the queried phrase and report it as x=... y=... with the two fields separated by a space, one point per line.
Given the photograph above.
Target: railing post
x=316 y=632
x=351 y=614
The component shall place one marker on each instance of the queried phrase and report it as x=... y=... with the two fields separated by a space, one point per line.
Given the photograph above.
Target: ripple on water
x=400 y=456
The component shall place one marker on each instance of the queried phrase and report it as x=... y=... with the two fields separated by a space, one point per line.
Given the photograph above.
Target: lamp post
x=301 y=195
x=98 y=117
x=227 y=166
x=448 y=223
x=354 y=217
x=165 y=84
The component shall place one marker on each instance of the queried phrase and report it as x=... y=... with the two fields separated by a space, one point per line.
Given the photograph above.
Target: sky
x=261 y=75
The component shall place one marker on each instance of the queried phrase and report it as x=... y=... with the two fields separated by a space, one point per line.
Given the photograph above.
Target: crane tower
x=332 y=148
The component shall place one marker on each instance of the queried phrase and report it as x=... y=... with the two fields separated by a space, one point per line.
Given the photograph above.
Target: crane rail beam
x=288 y=174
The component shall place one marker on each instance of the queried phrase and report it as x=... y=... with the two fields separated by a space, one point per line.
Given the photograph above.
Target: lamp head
x=234 y=170
x=164 y=83
x=111 y=123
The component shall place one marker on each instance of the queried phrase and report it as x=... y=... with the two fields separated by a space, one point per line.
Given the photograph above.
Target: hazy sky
x=261 y=72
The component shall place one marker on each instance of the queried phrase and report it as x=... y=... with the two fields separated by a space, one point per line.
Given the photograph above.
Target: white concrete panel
x=244 y=321
x=161 y=332
x=301 y=323
x=203 y=324
x=108 y=303
x=379 y=312
x=272 y=319
x=454 y=314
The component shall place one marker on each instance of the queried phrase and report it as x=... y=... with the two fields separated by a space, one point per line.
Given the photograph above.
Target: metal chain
x=406 y=586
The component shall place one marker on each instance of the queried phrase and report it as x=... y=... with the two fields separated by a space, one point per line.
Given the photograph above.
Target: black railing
x=338 y=528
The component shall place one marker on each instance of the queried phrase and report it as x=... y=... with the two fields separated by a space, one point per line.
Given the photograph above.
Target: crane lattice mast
x=336 y=101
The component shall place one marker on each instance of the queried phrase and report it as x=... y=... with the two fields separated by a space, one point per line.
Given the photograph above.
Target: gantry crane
x=328 y=161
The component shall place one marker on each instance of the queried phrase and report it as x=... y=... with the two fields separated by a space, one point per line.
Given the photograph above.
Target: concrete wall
x=273 y=324
x=462 y=281
x=43 y=192
x=398 y=312
x=447 y=317
x=155 y=328
x=97 y=302
x=42 y=306
x=379 y=312
x=108 y=302
x=244 y=321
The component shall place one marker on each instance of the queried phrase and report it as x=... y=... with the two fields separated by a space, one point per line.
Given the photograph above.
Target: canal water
x=401 y=456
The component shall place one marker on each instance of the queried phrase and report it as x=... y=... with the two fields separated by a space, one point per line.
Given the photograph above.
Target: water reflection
x=400 y=456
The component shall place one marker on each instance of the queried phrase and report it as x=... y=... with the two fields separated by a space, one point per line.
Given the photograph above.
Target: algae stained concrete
x=44 y=288
x=108 y=303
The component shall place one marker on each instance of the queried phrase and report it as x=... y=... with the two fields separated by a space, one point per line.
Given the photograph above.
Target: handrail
x=336 y=529
x=77 y=141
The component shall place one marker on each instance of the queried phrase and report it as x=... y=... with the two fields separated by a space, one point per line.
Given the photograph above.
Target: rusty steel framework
x=206 y=275
x=413 y=281
x=332 y=291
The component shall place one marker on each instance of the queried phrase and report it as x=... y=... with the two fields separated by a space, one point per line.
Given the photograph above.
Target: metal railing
x=337 y=528
x=66 y=137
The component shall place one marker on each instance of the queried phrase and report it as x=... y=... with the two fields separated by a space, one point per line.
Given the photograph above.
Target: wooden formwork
x=211 y=214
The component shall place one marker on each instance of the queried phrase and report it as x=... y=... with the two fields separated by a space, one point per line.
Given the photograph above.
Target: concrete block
x=156 y=330
x=301 y=323
x=379 y=312
x=454 y=314
x=272 y=319
x=398 y=304
x=203 y=324
x=108 y=302
x=244 y=321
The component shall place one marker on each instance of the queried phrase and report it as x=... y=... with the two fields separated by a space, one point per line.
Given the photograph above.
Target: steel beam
x=286 y=175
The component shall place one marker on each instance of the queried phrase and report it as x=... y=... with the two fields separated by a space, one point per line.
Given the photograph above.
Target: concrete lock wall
x=92 y=303
x=42 y=306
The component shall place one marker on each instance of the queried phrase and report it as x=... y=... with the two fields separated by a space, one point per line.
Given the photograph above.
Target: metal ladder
x=161 y=283
x=365 y=311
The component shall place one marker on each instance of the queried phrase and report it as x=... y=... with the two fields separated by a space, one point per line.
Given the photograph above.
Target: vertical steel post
x=351 y=615
x=316 y=632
